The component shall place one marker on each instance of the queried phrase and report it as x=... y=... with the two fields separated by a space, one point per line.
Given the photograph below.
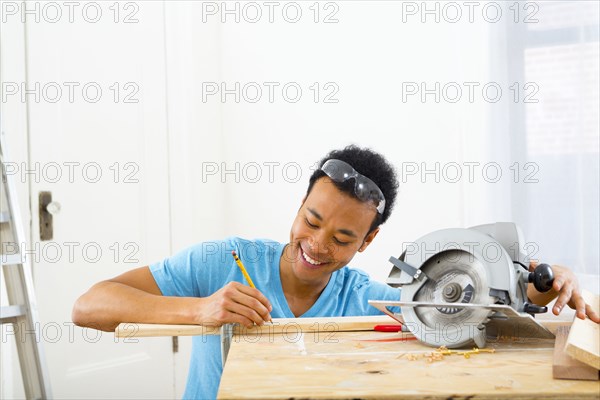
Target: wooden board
x=378 y=365
x=566 y=367
x=134 y=329
x=279 y=325
x=583 y=342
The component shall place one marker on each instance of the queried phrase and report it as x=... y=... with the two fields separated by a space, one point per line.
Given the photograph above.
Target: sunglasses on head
x=364 y=188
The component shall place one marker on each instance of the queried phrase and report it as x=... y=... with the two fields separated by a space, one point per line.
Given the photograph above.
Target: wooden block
x=583 y=342
x=565 y=366
x=279 y=325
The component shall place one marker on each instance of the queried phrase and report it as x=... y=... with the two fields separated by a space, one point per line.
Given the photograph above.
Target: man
x=348 y=198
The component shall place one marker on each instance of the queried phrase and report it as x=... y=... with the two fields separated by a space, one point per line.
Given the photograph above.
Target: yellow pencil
x=239 y=263
x=244 y=272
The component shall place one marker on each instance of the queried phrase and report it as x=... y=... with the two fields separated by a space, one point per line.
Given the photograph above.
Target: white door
x=98 y=143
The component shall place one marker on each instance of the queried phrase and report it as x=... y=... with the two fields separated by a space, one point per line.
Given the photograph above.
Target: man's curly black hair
x=370 y=164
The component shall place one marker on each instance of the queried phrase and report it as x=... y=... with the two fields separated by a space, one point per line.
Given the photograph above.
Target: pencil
x=239 y=263
x=244 y=272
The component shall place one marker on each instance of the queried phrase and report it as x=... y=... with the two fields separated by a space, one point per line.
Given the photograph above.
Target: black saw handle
x=542 y=278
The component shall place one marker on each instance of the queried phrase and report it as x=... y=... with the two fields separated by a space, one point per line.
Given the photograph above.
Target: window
x=557 y=128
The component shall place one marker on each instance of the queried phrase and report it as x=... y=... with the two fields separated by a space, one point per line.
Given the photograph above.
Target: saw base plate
x=504 y=322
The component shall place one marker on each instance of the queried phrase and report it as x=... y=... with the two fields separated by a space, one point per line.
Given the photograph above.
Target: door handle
x=47 y=210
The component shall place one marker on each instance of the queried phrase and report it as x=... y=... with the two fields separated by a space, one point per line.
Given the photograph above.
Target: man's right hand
x=235 y=303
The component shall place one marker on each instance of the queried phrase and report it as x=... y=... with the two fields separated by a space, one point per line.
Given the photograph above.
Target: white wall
x=368 y=54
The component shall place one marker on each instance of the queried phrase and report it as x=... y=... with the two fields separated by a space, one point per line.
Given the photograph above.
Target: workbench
x=324 y=363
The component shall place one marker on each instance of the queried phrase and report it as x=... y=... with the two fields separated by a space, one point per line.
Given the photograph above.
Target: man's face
x=331 y=226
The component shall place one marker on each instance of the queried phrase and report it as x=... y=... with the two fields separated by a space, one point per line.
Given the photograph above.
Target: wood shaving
x=440 y=353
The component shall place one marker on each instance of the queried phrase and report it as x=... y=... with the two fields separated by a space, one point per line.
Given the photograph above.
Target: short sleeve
x=355 y=289
x=381 y=291
x=197 y=271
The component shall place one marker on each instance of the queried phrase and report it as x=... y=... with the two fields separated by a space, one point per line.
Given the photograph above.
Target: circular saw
x=459 y=286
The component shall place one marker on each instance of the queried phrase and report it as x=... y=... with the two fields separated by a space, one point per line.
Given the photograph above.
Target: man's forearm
x=107 y=304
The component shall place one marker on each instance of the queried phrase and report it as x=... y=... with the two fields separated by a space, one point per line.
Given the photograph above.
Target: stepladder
x=18 y=309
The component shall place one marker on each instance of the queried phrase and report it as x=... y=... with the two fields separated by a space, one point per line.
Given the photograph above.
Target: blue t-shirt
x=206 y=267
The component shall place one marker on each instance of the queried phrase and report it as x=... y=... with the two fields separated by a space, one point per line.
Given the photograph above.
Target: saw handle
x=534 y=309
x=542 y=278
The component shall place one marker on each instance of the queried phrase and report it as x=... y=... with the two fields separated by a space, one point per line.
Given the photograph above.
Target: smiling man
x=348 y=198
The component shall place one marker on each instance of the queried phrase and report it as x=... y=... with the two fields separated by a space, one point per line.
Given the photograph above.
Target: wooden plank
x=345 y=365
x=133 y=330
x=279 y=325
x=583 y=342
x=566 y=367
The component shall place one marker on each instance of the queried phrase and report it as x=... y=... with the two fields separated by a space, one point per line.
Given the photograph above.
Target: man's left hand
x=566 y=287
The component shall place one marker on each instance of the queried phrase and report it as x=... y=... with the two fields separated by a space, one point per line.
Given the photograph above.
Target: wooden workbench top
x=368 y=364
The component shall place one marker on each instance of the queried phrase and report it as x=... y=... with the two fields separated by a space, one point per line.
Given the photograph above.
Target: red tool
x=388 y=328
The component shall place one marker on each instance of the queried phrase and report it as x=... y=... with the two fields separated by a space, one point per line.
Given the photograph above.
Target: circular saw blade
x=453 y=277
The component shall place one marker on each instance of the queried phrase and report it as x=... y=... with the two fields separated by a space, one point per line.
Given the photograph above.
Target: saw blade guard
x=453 y=276
x=483 y=247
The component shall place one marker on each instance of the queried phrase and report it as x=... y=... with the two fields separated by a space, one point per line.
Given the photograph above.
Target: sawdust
x=440 y=353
